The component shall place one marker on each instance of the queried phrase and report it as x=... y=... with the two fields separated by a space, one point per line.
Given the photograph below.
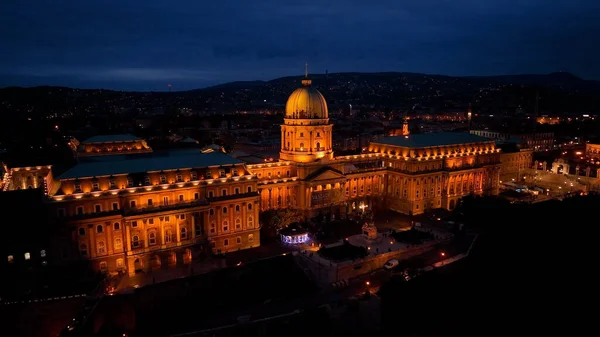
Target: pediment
x=325 y=173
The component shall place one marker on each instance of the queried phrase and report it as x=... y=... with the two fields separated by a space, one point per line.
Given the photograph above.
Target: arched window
x=103 y=267
x=99 y=229
x=43 y=253
x=224 y=209
x=81 y=231
x=118 y=244
x=152 y=238
x=249 y=207
x=301 y=146
x=183 y=233
x=135 y=241
x=225 y=226
x=250 y=237
x=251 y=222
x=237 y=208
x=318 y=145
x=120 y=264
x=168 y=236
x=117 y=226
x=238 y=223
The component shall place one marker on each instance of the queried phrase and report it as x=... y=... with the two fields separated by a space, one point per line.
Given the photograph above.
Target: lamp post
x=443 y=255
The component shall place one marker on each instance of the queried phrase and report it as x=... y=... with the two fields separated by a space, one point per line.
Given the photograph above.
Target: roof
x=111 y=139
x=432 y=139
x=306 y=102
x=158 y=161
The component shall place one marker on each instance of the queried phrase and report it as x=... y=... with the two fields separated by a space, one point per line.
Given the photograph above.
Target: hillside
x=559 y=92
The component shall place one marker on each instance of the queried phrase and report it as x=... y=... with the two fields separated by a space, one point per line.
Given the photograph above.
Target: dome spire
x=306 y=81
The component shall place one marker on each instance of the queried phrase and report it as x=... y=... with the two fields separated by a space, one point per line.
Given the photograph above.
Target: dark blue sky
x=146 y=44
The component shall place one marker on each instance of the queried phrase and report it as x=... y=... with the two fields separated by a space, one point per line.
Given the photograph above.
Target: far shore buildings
x=128 y=208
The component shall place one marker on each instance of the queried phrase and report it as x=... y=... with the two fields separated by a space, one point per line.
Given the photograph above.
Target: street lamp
x=443 y=255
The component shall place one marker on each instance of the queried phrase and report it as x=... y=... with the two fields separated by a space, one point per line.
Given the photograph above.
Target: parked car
x=391 y=264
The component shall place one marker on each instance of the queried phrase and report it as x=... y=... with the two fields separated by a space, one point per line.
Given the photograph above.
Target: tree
x=275 y=220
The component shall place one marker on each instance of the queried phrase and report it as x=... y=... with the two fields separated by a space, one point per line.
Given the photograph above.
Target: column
x=145 y=235
x=109 y=238
x=162 y=232
x=127 y=237
x=193 y=223
x=92 y=249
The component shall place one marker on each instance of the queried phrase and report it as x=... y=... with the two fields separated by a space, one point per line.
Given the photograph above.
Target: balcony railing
x=139 y=244
x=164 y=207
x=234 y=196
x=92 y=215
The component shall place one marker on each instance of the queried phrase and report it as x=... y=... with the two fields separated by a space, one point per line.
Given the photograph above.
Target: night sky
x=146 y=44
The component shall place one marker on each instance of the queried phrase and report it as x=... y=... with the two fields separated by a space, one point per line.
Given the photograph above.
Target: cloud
x=150 y=41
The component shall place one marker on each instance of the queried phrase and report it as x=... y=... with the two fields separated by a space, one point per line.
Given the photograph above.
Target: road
x=374 y=280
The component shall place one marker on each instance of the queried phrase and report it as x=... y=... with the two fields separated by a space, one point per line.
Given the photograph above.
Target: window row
x=26 y=256
x=238 y=241
x=225 y=225
x=224 y=193
x=224 y=209
x=100 y=228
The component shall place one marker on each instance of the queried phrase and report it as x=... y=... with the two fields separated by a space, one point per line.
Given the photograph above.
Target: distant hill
x=556 y=78
x=559 y=92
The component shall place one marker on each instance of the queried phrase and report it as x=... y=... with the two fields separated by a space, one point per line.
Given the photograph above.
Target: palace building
x=409 y=173
x=128 y=208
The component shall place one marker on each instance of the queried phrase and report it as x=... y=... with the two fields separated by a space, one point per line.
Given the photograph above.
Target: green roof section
x=423 y=140
x=159 y=161
x=111 y=139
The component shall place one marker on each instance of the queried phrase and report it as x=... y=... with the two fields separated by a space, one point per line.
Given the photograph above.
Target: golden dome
x=306 y=103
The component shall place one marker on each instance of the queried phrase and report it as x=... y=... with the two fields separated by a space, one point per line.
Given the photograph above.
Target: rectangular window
x=61 y=212
x=196 y=196
x=181 y=197
x=79 y=210
x=115 y=206
x=149 y=202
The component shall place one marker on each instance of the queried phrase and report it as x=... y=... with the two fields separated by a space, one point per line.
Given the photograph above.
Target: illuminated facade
x=107 y=145
x=514 y=164
x=128 y=213
x=157 y=209
x=409 y=173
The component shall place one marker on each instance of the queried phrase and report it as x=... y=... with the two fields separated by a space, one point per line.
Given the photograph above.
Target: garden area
x=343 y=252
x=412 y=236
